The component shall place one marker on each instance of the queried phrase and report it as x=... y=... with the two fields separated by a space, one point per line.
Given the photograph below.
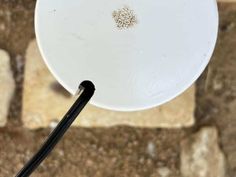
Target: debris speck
x=53 y=124
x=124 y=18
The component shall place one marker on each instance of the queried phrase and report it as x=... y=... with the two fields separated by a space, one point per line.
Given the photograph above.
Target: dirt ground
x=118 y=151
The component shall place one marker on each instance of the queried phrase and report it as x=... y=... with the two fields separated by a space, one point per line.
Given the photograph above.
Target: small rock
x=53 y=124
x=149 y=161
x=217 y=85
x=7 y=86
x=2 y=27
x=101 y=150
x=94 y=146
x=61 y=153
x=201 y=155
x=164 y=172
x=19 y=165
x=114 y=160
x=151 y=149
x=141 y=160
x=89 y=163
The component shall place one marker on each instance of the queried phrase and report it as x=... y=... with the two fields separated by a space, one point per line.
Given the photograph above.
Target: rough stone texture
x=16 y=29
x=41 y=93
x=7 y=86
x=177 y=113
x=94 y=152
x=42 y=104
x=201 y=156
x=216 y=94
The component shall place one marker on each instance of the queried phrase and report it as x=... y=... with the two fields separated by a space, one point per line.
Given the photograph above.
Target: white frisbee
x=142 y=65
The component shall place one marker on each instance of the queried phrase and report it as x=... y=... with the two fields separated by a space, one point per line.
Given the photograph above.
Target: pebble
x=151 y=149
x=217 y=85
x=164 y=171
x=53 y=124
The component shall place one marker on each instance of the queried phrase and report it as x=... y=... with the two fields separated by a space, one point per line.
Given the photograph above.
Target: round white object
x=135 y=68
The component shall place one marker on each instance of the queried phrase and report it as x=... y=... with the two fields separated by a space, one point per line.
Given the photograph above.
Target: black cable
x=87 y=89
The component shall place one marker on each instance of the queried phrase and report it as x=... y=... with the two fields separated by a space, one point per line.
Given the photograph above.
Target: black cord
x=87 y=89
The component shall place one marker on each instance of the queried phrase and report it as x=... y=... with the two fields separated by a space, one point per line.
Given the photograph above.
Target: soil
x=118 y=151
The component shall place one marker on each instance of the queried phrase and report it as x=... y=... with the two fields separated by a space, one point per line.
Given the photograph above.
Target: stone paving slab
x=7 y=86
x=45 y=102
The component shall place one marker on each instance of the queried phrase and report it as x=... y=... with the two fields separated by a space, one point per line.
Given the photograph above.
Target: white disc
x=141 y=66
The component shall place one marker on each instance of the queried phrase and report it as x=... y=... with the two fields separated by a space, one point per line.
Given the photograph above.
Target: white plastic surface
x=132 y=69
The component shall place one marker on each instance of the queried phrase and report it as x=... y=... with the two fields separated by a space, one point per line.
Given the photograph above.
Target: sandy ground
x=120 y=151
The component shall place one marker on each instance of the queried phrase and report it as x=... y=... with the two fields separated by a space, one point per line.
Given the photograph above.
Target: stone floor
x=206 y=149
